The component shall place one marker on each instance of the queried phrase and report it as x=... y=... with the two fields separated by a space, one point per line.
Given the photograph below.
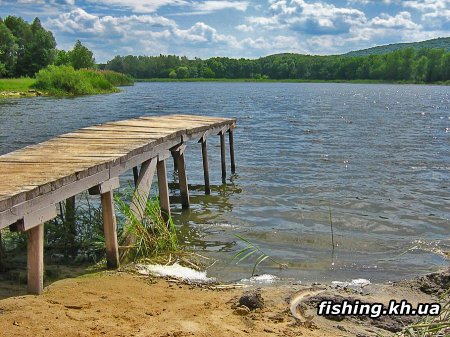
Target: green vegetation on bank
x=65 y=80
x=22 y=84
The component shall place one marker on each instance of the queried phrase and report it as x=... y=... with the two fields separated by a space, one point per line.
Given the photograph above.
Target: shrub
x=65 y=80
x=115 y=78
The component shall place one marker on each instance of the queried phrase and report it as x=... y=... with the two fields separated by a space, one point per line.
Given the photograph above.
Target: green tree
x=420 y=69
x=35 y=45
x=182 y=72
x=41 y=50
x=81 y=56
x=445 y=65
x=8 y=51
x=62 y=58
x=23 y=35
x=173 y=74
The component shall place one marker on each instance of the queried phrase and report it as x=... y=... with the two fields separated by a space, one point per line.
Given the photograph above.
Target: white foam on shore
x=353 y=284
x=265 y=278
x=176 y=271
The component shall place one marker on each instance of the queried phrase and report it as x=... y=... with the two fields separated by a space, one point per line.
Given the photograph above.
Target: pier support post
x=163 y=188
x=70 y=226
x=110 y=230
x=143 y=186
x=182 y=177
x=35 y=259
x=222 y=156
x=105 y=190
x=205 y=165
x=178 y=154
x=231 y=143
x=175 y=163
x=135 y=175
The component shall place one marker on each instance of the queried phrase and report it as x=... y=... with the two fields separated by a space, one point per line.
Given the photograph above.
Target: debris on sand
x=252 y=299
x=176 y=271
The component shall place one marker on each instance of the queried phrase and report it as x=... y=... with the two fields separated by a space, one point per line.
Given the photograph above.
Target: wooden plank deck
x=41 y=175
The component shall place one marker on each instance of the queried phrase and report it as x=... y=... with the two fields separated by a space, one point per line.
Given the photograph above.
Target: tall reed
x=144 y=222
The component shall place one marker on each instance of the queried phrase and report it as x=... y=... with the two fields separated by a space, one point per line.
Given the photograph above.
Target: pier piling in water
x=222 y=156
x=38 y=177
x=205 y=164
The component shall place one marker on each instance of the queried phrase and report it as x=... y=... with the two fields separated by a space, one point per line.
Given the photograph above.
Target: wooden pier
x=36 y=178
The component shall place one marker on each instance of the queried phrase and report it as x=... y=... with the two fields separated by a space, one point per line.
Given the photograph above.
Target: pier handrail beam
x=36 y=178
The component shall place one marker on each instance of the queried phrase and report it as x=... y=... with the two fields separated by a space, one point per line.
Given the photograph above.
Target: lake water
x=375 y=157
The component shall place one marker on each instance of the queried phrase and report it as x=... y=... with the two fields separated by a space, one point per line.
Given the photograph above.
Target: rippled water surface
x=374 y=157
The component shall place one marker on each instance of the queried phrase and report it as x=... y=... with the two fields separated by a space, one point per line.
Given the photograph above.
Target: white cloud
x=309 y=17
x=213 y=5
x=144 y=34
x=204 y=35
x=366 y=2
x=141 y=6
x=244 y=28
x=435 y=13
x=401 y=21
x=427 y=5
x=82 y=22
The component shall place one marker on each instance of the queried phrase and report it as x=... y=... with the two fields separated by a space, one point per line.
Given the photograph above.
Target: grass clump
x=253 y=250
x=115 y=78
x=65 y=80
x=432 y=326
x=147 y=234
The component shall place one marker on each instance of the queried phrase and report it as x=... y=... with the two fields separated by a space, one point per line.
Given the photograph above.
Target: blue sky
x=234 y=28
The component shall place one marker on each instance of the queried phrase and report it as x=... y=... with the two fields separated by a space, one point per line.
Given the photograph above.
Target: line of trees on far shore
x=417 y=65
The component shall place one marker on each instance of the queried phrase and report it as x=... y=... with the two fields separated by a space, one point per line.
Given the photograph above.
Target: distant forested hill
x=442 y=42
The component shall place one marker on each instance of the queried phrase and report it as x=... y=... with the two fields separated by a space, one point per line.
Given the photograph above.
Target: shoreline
x=126 y=304
x=22 y=88
x=250 y=80
x=18 y=94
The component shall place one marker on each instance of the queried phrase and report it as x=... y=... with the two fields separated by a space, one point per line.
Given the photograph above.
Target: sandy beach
x=126 y=304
